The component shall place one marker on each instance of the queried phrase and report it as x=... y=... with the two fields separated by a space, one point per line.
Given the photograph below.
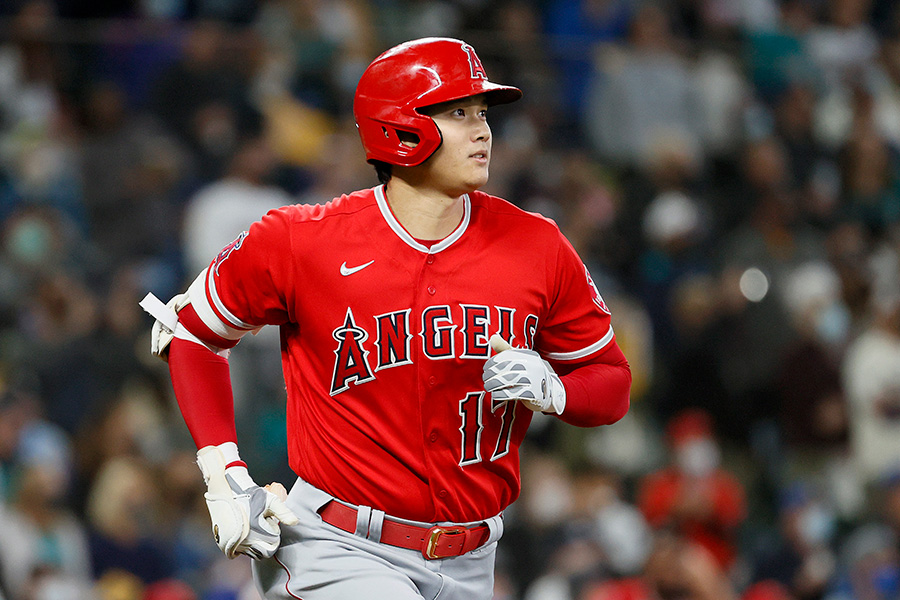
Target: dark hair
x=383 y=170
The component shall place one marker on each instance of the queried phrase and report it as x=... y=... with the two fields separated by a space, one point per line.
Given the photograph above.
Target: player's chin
x=478 y=178
x=471 y=187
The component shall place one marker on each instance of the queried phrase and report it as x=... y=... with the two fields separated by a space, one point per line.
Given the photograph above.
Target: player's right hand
x=521 y=374
x=245 y=517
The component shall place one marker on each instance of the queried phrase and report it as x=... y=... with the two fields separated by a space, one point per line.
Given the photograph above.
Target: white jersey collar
x=404 y=235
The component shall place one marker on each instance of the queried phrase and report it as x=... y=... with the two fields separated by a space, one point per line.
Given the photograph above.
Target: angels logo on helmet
x=475 y=65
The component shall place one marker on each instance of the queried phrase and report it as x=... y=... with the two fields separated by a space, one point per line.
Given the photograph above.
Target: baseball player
x=423 y=322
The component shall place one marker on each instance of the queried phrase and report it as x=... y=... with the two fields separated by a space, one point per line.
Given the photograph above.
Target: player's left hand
x=521 y=374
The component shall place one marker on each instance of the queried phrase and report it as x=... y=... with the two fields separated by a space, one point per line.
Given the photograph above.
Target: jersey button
x=432 y=380
x=442 y=493
x=433 y=437
x=431 y=290
x=430 y=259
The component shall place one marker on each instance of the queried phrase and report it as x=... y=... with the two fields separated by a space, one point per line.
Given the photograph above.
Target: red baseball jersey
x=384 y=340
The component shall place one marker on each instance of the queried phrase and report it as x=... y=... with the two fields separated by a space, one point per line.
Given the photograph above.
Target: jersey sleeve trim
x=219 y=307
x=584 y=352
x=215 y=320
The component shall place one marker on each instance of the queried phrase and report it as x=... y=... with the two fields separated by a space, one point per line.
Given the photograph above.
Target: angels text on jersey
x=366 y=346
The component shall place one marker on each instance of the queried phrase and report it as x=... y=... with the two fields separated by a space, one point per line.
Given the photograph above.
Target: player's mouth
x=480 y=157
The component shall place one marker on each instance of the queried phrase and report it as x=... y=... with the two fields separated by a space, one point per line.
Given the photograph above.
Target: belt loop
x=375 y=523
x=363 y=514
x=495 y=526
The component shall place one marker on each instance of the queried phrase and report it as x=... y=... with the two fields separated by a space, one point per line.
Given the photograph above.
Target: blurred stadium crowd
x=727 y=168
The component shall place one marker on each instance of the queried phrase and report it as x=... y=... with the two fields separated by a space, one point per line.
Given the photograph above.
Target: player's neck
x=427 y=214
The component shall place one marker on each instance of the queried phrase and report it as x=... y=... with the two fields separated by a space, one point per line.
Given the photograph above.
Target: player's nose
x=481 y=132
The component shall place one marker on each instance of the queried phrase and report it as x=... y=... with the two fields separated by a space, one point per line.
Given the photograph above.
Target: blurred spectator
x=39 y=138
x=642 y=94
x=886 y=90
x=871 y=187
x=204 y=99
x=603 y=537
x=622 y=533
x=690 y=372
x=130 y=169
x=776 y=55
x=887 y=502
x=845 y=46
x=29 y=67
x=724 y=93
x=17 y=410
x=119 y=585
x=811 y=168
x=42 y=537
x=231 y=579
x=241 y=196
x=871 y=375
x=117 y=343
x=812 y=423
x=814 y=414
x=869 y=566
x=323 y=47
x=57 y=324
x=187 y=521
x=674 y=227
x=577 y=29
x=801 y=556
x=756 y=260
x=130 y=425
x=334 y=165
x=122 y=511
x=580 y=198
x=676 y=568
x=517 y=25
x=694 y=495
x=539 y=516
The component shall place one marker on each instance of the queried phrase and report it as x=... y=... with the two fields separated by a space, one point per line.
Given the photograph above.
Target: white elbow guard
x=166 y=326
x=166 y=316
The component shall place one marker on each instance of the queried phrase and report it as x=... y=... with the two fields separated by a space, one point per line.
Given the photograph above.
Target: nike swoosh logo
x=345 y=270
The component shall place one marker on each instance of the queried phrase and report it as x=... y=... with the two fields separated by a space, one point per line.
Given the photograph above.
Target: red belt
x=439 y=541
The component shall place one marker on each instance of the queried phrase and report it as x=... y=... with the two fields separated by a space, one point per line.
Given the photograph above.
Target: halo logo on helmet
x=409 y=77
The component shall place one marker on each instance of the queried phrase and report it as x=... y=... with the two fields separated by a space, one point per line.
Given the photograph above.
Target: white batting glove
x=245 y=517
x=521 y=374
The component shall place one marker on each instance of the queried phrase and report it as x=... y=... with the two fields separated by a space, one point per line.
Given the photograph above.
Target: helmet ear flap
x=411 y=146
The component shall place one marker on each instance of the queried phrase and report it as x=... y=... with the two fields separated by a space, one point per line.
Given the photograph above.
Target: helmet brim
x=502 y=94
x=494 y=94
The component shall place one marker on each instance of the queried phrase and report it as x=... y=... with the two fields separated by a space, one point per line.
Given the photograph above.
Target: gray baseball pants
x=317 y=561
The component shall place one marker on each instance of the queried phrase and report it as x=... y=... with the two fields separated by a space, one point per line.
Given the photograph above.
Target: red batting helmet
x=409 y=77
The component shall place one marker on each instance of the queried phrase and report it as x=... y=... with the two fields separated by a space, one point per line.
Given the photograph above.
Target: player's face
x=460 y=164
